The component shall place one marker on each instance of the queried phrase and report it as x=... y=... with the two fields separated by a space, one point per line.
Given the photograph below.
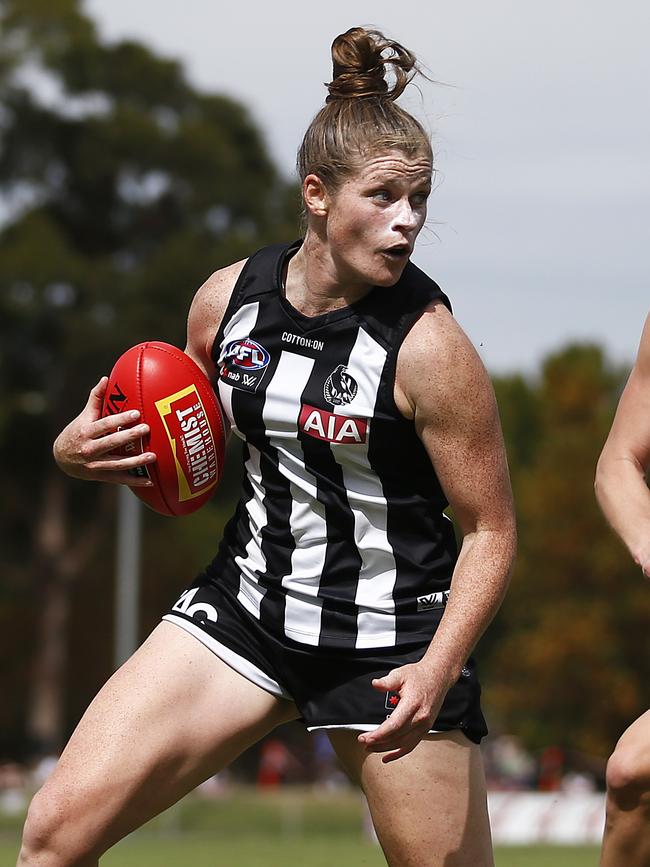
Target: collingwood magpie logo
x=340 y=387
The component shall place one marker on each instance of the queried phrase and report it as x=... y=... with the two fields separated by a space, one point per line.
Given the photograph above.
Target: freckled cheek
x=356 y=235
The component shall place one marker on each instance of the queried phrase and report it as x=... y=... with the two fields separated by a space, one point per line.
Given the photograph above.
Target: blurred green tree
x=122 y=187
x=564 y=662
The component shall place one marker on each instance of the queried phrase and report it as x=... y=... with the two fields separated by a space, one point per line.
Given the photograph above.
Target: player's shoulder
x=207 y=311
x=436 y=340
x=217 y=289
x=438 y=369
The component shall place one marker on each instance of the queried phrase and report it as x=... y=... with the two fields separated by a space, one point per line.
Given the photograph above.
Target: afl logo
x=340 y=387
x=247 y=354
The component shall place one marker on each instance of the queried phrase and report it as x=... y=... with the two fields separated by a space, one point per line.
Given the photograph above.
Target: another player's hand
x=420 y=697
x=88 y=447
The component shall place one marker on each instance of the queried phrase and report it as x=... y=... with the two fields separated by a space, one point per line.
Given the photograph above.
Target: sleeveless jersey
x=339 y=538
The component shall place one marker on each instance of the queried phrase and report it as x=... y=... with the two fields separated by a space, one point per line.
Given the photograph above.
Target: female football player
x=337 y=595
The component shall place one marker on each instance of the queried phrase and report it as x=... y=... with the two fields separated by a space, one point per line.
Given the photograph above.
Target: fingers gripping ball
x=187 y=435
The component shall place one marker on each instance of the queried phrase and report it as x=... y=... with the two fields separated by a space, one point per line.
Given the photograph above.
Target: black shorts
x=330 y=686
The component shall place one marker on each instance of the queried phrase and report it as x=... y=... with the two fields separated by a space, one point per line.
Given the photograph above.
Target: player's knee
x=628 y=777
x=48 y=835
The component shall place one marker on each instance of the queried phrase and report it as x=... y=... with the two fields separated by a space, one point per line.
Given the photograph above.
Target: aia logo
x=324 y=425
x=340 y=387
x=247 y=354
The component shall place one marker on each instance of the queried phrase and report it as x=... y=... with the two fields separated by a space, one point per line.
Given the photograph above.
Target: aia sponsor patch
x=391 y=701
x=332 y=428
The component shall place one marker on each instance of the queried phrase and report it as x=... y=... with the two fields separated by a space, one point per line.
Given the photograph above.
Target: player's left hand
x=420 y=696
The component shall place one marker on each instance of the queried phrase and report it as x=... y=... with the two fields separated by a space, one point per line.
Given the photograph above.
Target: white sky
x=543 y=135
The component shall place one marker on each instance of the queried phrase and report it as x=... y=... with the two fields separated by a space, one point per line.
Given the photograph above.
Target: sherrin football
x=176 y=400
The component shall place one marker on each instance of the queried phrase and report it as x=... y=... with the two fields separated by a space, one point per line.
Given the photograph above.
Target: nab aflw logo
x=247 y=353
x=324 y=425
x=243 y=364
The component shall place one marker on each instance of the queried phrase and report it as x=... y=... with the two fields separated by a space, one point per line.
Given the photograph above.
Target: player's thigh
x=429 y=808
x=172 y=716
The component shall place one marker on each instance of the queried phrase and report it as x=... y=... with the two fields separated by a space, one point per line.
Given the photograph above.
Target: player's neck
x=313 y=284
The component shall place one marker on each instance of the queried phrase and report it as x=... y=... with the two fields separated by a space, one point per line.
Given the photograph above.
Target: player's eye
x=419 y=199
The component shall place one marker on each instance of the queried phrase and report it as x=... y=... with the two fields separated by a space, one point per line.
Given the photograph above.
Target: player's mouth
x=398 y=252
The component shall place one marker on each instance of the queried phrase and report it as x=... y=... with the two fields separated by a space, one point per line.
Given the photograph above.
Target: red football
x=176 y=400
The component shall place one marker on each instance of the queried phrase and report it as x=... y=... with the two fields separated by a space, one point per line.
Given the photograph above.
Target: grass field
x=291 y=828
x=310 y=851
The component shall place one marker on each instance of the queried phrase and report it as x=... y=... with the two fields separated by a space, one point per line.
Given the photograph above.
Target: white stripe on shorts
x=361 y=727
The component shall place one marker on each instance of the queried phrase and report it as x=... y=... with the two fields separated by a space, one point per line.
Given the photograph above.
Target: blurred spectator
x=327 y=771
x=578 y=783
x=508 y=764
x=43 y=768
x=13 y=789
x=216 y=786
x=275 y=760
x=551 y=769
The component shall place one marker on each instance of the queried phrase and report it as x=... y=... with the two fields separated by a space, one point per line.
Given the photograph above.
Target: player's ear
x=315 y=196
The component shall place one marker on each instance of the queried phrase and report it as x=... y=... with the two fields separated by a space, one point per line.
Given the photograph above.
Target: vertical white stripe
x=238 y=328
x=225 y=396
x=374 y=596
x=253 y=563
x=307 y=519
x=303 y=608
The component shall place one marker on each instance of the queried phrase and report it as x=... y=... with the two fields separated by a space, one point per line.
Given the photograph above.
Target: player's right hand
x=88 y=448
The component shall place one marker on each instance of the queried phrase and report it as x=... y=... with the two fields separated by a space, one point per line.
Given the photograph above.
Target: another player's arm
x=88 y=448
x=443 y=386
x=621 y=487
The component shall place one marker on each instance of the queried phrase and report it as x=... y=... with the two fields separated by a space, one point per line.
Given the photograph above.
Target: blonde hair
x=360 y=116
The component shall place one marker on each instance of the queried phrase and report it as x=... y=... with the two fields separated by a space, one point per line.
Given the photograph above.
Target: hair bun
x=361 y=59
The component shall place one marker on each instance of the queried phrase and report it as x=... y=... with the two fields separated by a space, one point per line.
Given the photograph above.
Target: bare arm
x=621 y=486
x=88 y=447
x=206 y=312
x=443 y=386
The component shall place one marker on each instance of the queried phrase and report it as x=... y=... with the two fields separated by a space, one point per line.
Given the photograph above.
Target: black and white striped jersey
x=339 y=539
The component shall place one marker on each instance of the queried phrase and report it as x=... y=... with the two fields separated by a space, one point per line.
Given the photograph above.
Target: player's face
x=376 y=215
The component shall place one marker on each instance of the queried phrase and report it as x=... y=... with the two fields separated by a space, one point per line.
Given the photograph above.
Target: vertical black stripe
x=236 y=536
x=422 y=539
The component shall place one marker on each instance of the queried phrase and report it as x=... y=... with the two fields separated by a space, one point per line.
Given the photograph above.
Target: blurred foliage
x=564 y=662
x=123 y=187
